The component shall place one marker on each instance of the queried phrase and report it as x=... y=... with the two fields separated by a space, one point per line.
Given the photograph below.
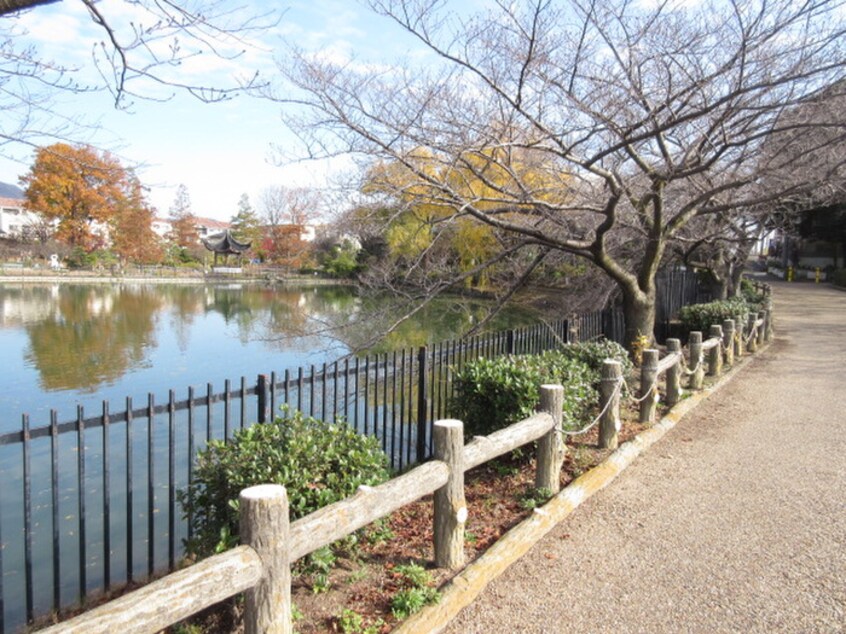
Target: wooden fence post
x=768 y=334
x=262 y=394
x=738 y=339
x=551 y=448
x=728 y=341
x=762 y=331
x=751 y=343
x=715 y=354
x=674 y=373
x=450 y=508
x=265 y=527
x=648 y=383
x=695 y=364
x=609 y=403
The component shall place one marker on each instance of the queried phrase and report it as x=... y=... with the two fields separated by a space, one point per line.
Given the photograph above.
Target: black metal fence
x=90 y=504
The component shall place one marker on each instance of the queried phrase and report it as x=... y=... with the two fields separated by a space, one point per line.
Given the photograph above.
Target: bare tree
x=141 y=54
x=641 y=117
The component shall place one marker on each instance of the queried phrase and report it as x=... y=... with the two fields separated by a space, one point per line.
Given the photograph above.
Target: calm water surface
x=68 y=344
x=64 y=345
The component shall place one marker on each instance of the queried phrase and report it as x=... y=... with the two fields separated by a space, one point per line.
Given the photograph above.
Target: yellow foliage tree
x=492 y=178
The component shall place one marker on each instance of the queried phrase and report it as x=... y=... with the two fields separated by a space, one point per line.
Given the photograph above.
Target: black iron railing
x=90 y=504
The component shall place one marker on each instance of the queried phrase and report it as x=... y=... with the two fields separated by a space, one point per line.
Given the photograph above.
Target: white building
x=15 y=221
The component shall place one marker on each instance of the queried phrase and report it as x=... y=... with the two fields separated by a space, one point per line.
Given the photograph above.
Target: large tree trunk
x=639 y=311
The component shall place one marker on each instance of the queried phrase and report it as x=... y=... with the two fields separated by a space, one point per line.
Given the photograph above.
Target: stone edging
x=463 y=589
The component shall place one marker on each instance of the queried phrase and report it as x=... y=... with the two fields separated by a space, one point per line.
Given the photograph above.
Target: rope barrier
x=645 y=394
x=617 y=388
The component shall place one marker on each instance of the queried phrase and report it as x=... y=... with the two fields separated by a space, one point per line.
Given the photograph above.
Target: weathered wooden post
x=264 y=526
x=450 y=507
x=751 y=341
x=715 y=354
x=551 y=448
x=674 y=373
x=762 y=331
x=728 y=341
x=648 y=385
x=770 y=329
x=695 y=365
x=609 y=403
x=738 y=338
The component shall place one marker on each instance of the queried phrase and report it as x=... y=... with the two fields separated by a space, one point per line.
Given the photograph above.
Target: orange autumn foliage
x=92 y=197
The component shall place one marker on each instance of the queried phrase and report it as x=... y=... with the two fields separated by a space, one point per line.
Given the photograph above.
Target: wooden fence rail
x=261 y=567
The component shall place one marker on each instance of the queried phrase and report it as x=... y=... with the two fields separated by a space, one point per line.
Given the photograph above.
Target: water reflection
x=91 y=336
x=129 y=339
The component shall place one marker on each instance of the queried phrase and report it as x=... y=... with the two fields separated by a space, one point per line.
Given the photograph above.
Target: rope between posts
x=617 y=388
x=645 y=394
x=695 y=368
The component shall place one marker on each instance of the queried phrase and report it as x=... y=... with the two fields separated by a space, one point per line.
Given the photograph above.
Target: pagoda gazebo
x=225 y=244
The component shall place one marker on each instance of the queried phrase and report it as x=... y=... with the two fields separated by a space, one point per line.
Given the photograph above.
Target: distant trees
x=246 y=225
x=92 y=197
x=285 y=214
x=132 y=235
x=636 y=120
x=183 y=227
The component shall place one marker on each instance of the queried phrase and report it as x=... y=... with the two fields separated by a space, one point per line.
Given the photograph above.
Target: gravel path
x=734 y=522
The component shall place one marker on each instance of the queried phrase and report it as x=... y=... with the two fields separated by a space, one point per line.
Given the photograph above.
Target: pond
x=85 y=506
x=65 y=345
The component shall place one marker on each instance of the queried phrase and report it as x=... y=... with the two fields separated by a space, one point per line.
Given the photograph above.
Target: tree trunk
x=639 y=311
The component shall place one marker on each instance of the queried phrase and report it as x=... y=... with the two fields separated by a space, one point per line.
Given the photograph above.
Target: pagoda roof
x=225 y=243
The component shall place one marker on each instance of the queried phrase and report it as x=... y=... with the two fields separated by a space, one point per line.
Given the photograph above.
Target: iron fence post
x=422 y=403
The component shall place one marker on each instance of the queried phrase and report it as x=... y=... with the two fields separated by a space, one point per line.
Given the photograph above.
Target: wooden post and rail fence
x=261 y=566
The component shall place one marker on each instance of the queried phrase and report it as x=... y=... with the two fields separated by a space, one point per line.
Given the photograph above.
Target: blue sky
x=221 y=150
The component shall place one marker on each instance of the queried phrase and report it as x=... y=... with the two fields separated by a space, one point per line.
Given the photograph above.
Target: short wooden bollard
x=752 y=334
x=674 y=373
x=770 y=329
x=715 y=354
x=738 y=338
x=695 y=364
x=728 y=341
x=450 y=507
x=648 y=386
x=609 y=403
x=551 y=449
x=265 y=527
x=762 y=330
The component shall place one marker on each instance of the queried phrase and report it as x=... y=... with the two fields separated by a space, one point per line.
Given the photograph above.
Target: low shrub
x=318 y=463
x=493 y=393
x=593 y=353
x=839 y=277
x=416 y=590
x=702 y=316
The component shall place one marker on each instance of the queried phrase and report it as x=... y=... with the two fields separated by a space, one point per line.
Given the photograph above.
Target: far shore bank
x=76 y=277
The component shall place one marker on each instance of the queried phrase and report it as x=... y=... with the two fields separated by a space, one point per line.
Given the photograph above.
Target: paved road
x=734 y=522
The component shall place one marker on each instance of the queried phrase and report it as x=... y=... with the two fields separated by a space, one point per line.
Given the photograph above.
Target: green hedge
x=317 y=462
x=493 y=393
x=702 y=316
